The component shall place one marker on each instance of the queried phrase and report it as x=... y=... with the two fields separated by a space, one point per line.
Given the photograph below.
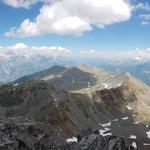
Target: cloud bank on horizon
x=22 y=50
x=76 y=17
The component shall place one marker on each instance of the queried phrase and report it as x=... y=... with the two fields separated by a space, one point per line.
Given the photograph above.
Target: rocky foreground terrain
x=19 y=133
x=57 y=106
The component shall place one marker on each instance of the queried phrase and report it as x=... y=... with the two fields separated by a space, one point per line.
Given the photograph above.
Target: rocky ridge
x=115 y=104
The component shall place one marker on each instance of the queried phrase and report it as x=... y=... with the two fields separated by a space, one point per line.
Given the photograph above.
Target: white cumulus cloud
x=24 y=3
x=143 y=6
x=18 y=46
x=19 y=3
x=145 y=16
x=73 y=17
x=21 y=49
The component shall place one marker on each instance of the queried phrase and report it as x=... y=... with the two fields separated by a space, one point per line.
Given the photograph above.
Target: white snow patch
x=115 y=119
x=73 y=139
x=106 y=124
x=129 y=108
x=89 y=86
x=132 y=136
x=136 y=123
x=125 y=118
x=105 y=85
x=146 y=144
x=148 y=134
x=134 y=144
x=15 y=84
x=118 y=85
x=102 y=132
x=146 y=126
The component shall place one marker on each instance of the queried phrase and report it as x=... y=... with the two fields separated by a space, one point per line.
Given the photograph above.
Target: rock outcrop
x=19 y=133
x=92 y=140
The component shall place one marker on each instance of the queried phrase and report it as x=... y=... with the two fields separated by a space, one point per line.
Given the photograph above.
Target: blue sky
x=127 y=31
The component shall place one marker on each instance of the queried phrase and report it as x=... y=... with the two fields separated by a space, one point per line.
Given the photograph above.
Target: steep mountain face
x=48 y=74
x=133 y=93
x=116 y=104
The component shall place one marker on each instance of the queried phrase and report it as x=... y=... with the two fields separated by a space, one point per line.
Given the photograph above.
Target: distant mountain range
x=1 y=83
x=15 y=64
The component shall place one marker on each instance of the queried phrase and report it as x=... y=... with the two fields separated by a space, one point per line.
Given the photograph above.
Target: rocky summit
x=54 y=108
